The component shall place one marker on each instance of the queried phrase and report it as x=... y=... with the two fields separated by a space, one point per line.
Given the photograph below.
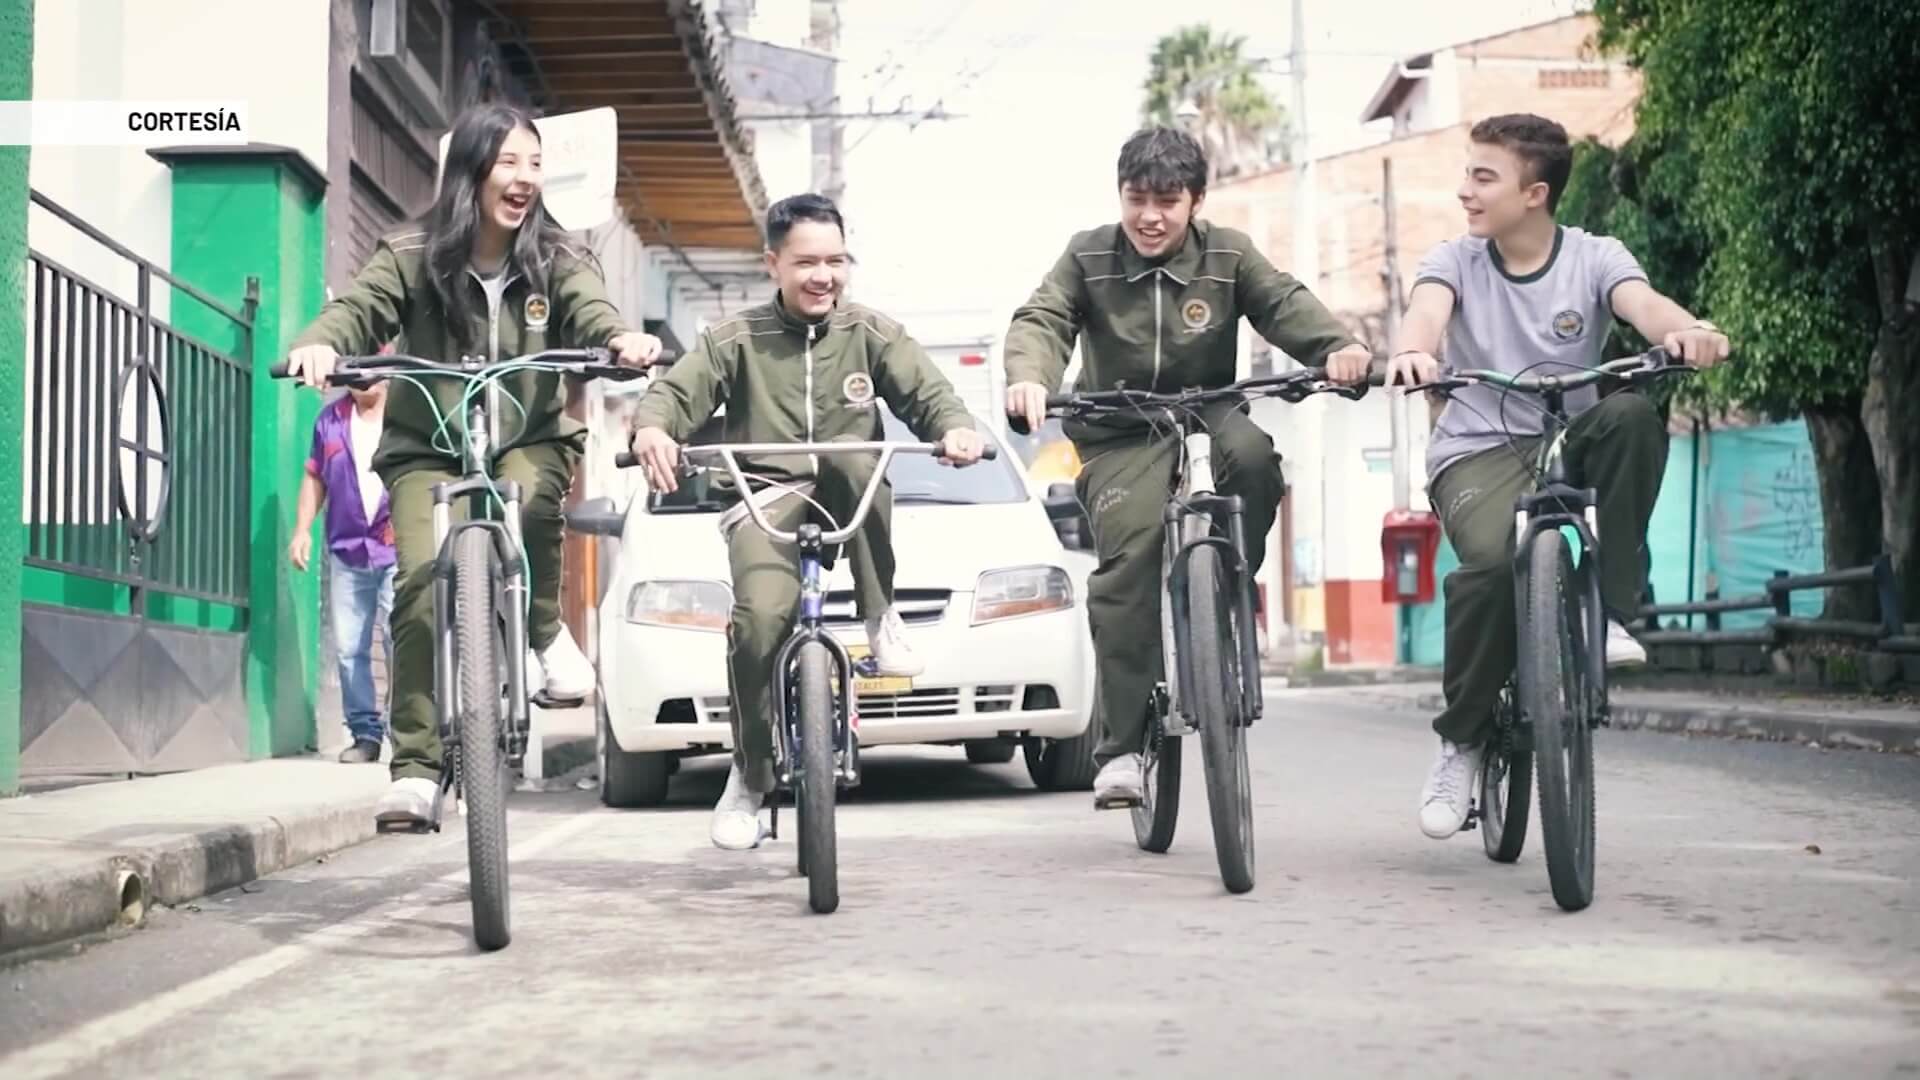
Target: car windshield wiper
x=931 y=498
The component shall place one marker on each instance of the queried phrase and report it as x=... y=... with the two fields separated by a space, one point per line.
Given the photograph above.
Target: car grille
x=929 y=702
x=917 y=607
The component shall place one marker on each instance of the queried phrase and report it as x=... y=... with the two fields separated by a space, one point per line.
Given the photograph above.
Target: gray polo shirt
x=1552 y=320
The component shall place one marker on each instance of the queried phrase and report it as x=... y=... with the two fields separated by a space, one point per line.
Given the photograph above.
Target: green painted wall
x=236 y=217
x=16 y=84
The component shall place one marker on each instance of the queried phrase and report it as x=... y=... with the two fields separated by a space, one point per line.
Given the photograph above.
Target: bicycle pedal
x=548 y=701
x=1117 y=802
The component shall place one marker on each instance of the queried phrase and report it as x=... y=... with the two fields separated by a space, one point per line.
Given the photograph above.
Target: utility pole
x=1390 y=277
x=1306 y=239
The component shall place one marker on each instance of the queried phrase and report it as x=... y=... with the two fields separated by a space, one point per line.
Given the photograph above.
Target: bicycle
x=480 y=610
x=1207 y=636
x=817 y=748
x=1558 y=693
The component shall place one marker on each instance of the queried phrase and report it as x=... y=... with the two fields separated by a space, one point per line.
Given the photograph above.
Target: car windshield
x=916 y=478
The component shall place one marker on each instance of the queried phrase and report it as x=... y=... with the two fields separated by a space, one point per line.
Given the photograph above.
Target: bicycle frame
x=475 y=486
x=1189 y=518
x=1554 y=504
x=812 y=542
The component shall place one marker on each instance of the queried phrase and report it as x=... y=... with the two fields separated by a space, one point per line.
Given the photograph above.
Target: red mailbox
x=1409 y=543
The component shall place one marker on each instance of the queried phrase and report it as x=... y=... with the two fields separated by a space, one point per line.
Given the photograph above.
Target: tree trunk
x=1890 y=413
x=1849 y=502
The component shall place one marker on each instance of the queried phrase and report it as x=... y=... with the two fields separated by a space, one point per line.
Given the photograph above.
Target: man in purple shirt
x=360 y=546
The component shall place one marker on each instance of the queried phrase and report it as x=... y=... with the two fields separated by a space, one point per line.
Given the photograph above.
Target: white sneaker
x=887 y=636
x=408 y=802
x=1448 y=796
x=562 y=669
x=736 y=817
x=1622 y=649
x=1118 y=781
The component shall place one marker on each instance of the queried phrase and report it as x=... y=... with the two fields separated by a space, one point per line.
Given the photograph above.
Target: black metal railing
x=1887 y=632
x=138 y=433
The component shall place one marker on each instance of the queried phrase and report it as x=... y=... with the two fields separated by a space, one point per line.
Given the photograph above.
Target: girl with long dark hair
x=487 y=273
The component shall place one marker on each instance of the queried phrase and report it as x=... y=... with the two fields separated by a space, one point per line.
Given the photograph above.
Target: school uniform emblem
x=1569 y=325
x=1197 y=314
x=858 y=390
x=536 y=311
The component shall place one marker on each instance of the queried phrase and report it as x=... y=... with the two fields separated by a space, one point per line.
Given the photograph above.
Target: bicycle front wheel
x=816 y=781
x=480 y=657
x=1214 y=650
x=1555 y=707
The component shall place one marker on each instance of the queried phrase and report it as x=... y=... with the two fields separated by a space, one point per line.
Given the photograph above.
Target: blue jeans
x=357 y=597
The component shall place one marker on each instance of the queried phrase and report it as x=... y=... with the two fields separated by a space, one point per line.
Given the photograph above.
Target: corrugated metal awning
x=688 y=177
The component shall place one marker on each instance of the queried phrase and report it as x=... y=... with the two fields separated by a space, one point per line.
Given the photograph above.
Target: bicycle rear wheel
x=480 y=655
x=1506 y=784
x=1215 y=653
x=816 y=781
x=1554 y=700
x=1159 y=809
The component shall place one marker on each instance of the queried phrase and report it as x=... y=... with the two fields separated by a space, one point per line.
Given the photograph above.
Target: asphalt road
x=1758 y=914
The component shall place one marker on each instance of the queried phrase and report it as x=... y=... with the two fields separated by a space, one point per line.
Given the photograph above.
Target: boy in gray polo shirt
x=1524 y=295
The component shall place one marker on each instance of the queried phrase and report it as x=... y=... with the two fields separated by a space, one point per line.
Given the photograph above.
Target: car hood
x=937 y=547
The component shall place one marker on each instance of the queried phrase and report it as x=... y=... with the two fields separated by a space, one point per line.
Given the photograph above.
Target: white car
x=993 y=604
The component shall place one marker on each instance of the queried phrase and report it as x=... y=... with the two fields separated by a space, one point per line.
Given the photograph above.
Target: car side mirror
x=597 y=517
x=1061 y=502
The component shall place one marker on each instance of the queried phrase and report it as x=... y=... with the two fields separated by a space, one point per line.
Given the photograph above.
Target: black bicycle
x=1207 y=634
x=480 y=596
x=1558 y=694
x=817 y=746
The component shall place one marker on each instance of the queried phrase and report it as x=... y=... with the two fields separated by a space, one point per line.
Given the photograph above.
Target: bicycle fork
x=1189 y=525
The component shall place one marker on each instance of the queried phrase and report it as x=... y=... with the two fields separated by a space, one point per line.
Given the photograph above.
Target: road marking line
x=68 y=1051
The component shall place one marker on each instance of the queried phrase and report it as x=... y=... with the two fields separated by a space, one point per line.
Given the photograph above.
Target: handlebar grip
x=625 y=459
x=990 y=453
x=278 y=371
x=1019 y=426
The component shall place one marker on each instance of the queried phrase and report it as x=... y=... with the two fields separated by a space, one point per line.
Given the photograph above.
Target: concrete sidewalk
x=1864 y=724
x=85 y=859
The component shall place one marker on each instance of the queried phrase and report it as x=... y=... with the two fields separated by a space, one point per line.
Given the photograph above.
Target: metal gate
x=138 y=439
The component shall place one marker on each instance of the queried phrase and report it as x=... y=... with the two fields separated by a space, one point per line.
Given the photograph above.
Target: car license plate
x=883 y=684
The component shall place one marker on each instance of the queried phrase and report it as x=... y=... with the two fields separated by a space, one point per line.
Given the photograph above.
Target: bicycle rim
x=482 y=759
x=1223 y=747
x=816 y=781
x=1555 y=706
x=1506 y=785
x=1159 y=810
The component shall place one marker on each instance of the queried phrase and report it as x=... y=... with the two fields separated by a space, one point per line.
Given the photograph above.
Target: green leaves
x=1772 y=134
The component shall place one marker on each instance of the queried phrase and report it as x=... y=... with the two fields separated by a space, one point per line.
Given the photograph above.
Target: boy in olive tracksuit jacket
x=1155 y=303
x=806 y=367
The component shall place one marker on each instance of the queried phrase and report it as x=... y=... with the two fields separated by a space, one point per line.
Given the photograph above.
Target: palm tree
x=1239 y=124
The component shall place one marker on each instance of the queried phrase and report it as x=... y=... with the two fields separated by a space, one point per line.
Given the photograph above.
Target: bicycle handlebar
x=358 y=370
x=1645 y=367
x=728 y=454
x=1293 y=388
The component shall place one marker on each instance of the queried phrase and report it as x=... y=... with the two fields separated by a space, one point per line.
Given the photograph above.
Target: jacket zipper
x=814 y=459
x=493 y=348
x=1155 y=385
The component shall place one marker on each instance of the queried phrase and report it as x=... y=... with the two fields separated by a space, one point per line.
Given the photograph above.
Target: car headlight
x=681 y=605
x=1026 y=590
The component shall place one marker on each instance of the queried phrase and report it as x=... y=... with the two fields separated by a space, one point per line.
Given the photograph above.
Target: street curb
x=1858 y=733
x=49 y=908
x=53 y=907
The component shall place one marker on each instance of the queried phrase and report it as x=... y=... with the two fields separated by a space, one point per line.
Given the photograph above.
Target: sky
x=964 y=216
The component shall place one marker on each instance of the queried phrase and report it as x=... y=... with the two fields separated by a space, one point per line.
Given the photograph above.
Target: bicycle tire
x=1554 y=703
x=1158 y=814
x=816 y=781
x=1506 y=785
x=479 y=656
x=1223 y=747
